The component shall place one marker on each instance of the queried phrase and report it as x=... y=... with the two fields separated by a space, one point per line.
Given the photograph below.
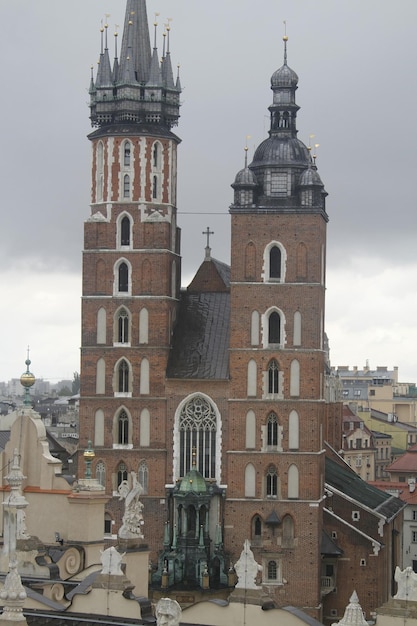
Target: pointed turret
x=137 y=90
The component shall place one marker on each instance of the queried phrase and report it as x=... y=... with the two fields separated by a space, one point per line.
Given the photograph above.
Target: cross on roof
x=208 y=232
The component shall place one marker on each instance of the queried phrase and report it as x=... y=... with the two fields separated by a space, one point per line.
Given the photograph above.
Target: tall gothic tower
x=131 y=259
x=217 y=397
x=277 y=401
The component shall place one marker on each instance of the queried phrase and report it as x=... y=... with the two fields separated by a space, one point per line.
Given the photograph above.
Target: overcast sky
x=356 y=61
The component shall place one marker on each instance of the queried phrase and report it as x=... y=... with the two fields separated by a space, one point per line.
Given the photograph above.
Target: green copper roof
x=193 y=482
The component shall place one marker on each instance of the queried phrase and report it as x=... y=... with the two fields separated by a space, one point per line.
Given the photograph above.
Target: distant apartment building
x=358 y=447
x=365 y=389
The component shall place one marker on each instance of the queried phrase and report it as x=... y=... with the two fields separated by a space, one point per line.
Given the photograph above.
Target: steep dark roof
x=328 y=547
x=211 y=276
x=345 y=480
x=201 y=337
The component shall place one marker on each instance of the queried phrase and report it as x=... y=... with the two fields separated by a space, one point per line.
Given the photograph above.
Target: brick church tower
x=217 y=397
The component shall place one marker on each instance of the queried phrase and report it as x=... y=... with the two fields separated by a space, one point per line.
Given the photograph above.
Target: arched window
x=274 y=328
x=155 y=187
x=126 y=186
x=293 y=431
x=275 y=262
x=125 y=231
x=197 y=430
x=101 y=325
x=143 y=326
x=121 y=474
x=144 y=377
x=252 y=382
x=123 y=326
x=123 y=428
x=293 y=482
x=257 y=526
x=143 y=476
x=123 y=376
x=250 y=430
x=273 y=377
x=99 y=428
x=145 y=427
x=101 y=376
x=271 y=482
x=254 y=329
x=155 y=155
x=101 y=473
x=272 y=430
x=107 y=523
x=250 y=481
x=123 y=284
x=126 y=153
x=295 y=378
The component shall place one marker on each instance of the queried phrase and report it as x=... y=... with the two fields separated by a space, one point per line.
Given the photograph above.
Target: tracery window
x=123 y=428
x=143 y=476
x=197 y=428
x=101 y=473
x=121 y=473
x=123 y=377
x=123 y=327
x=272 y=430
x=271 y=482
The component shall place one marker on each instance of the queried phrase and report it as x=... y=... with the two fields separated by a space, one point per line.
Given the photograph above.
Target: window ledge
x=122 y=394
x=120 y=344
x=123 y=446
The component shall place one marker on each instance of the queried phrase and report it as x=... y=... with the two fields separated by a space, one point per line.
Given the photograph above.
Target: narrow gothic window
x=123 y=381
x=272 y=430
x=123 y=428
x=125 y=231
x=123 y=277
x=257 y=526
x=123 y=327
x=275 y=262
x=101 y=473
x=121 y=474
x=197 y=428
x=155 y=187
x=273 y=377
x=274 y=328
x=143 y=476
x=271 y=482
x=126 y=156
x=155 y=155
x=126 y=186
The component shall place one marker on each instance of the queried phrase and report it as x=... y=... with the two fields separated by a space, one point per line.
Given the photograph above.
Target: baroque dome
x=278 y=150
x=245 y=178
x=284 y=77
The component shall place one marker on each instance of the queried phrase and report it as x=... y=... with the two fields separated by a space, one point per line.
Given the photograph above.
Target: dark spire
x=136 y=43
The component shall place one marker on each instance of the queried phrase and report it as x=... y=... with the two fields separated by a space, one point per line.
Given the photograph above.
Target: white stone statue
x=247 y=568
x=407 y=584
x=132 y=521
x=111 y=561
x=167 y=612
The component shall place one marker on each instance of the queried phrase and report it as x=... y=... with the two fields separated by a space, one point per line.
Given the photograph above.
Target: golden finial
x=156 y=21
x=285 y=38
